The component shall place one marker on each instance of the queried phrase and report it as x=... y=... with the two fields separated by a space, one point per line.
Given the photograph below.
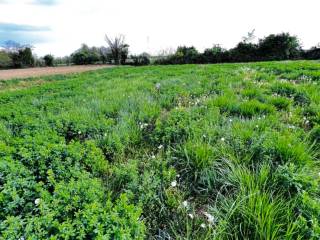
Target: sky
x=59 y=27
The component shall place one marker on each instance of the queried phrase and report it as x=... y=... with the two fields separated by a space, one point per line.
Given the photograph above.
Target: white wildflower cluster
x=291 y=127
x=143 y=125
x=37 y=201
x=174 y=183
x=305 y=121
x=305 y=78
x=210 y=218
x=158 y=86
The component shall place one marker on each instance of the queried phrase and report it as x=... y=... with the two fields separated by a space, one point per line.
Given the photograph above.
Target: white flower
x=190 y=215
x=257 y=126
x=223 y=139
x=79 y=132
x=160 y=147
x=178 y=175
x=185 y=204
x=230 y=120
x=158 y=86
x=174 y=183
x=153 y=156
x=209 y=217
x=37 y=201
x=203 y=225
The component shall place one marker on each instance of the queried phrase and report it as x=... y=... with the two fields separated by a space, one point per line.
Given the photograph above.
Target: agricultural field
x=225 y=151
x=42 y=71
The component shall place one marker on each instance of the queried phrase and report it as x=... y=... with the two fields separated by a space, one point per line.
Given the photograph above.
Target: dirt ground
x=45 y=71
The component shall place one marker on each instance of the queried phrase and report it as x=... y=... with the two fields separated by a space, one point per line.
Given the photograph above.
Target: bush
x=48 y=59
x=5 y=60
x=86 y=55
x=141 y=60
x=23 y=58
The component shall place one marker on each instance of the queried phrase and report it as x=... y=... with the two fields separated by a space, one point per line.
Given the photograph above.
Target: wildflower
x=174 y=183
x=178 y=175
x=209 y=217
x=257 y=126
x=203 y=225
x=204 y=136
x=37 y=201
x=230 y=120
x=79 y=132
x=153 y=156
x=158 y=86
x=190 y=215
x=223 y=139
x=185 y=204
x=160 y=146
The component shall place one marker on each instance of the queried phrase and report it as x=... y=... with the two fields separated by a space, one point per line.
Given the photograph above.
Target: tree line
x=281 y=46
x=274 y=47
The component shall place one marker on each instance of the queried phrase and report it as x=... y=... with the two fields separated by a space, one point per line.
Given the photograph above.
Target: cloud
x=25 y=34
x=45 y=2
x=34 y=2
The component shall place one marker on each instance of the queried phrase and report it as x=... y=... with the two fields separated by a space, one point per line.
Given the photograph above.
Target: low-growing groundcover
x=225 y=151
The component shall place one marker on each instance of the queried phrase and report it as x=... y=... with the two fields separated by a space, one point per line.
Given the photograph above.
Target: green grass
x=226 y=151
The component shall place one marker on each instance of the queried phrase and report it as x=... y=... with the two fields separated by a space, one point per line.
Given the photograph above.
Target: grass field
x=226 y=151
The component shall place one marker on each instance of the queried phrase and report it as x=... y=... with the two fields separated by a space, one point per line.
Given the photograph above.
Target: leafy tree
x=215 y=54
x=22 y=58
x=279 y=47
x=49 y=60
x=119 y=49
x=86 y=55
x=244 y=52
x=5 y=60
x=142 y=59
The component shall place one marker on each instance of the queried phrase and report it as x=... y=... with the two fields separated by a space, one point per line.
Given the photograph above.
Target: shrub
x=5 y=60
x=49 y=60
x=86 y=55
x=140 y=60
x=23 y=58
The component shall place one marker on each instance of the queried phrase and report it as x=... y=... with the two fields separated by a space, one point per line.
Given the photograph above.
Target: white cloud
x=153 y=25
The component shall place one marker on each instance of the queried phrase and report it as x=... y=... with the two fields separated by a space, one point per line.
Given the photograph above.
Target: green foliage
x=226 y=151
x=141 y=60
x=86 y=55
x=49 y=60
x=22 y=58
x=5 y=60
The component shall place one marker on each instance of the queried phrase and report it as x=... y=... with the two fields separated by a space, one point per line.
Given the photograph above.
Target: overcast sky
x=60 y=26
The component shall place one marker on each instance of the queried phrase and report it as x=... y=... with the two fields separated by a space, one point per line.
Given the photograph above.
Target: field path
x=45 y=71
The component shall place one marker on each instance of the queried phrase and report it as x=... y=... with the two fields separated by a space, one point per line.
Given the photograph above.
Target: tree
x=279 y=47
x=86 y=55
x=215 y=54
x=22 y=58
x=48 y=59
x=119 y=49
x=5 y=60
x=249 y=37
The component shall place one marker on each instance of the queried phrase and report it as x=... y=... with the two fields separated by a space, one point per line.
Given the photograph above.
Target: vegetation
x=49 y=60
x=227 y=151
x=273 y=47
x=119 y=49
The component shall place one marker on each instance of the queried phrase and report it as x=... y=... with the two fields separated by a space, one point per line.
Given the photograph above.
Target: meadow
x=224 y=151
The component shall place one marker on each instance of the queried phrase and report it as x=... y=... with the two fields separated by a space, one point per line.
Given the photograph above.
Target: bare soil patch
x=45 y=71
